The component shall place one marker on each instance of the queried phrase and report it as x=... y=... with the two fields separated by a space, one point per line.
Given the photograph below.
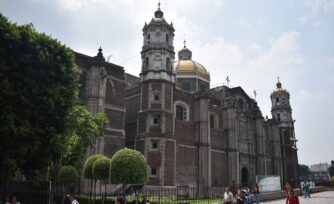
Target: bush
x=67 y=175
x=128 y=167
x=101 y=168
x=88 y=166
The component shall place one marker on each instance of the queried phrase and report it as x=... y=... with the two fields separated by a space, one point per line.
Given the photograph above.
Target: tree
x=128 y=167
x=83 y=130
x=101 y=169
x=88 y=168
x=38 y=83
x=304 y=171
x=67 y=175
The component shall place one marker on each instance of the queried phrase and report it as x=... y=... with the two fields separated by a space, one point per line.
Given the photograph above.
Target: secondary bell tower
x=281 y=111
x=155 y=136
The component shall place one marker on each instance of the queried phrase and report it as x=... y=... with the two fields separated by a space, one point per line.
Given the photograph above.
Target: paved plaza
x=326 y=197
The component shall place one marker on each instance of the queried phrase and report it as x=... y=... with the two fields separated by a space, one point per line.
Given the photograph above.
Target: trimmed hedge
x=88 y=166
x=128 y=166
x=67 y=175
x=101 y=168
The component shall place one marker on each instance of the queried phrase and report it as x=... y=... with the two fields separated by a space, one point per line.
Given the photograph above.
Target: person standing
x=228 y=196
x=73 y=199
x=13 y=200
x=306 y=189
x=257 y=193
x=239 y=196
x=292 y=198
x=287 y=188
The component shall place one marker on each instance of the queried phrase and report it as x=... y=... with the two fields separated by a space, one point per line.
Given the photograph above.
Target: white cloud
x=315 y=8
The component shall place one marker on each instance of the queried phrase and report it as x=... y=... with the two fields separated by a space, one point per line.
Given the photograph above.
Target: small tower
x=281 y=111
x=155 y=137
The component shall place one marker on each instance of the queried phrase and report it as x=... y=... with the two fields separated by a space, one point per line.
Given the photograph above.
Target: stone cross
x=228 y=80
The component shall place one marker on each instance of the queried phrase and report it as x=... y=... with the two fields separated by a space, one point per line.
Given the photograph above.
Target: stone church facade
x=190 y=134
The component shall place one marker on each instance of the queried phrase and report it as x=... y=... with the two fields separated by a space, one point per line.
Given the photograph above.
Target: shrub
x=67 y=175
x=88 y=166
x=128 y=167
x=101 y=168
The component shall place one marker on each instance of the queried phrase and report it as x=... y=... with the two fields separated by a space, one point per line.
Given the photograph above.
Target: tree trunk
x=63 y=200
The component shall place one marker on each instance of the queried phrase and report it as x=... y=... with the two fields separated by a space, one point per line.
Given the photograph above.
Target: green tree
x=67 y=175
x=83 y=130
x=128 y=166
x=88 y=169
x=38 y=83
x=101 y=169
x=304 y=171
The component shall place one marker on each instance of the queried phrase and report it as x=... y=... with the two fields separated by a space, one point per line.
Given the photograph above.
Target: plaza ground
x=326 y=197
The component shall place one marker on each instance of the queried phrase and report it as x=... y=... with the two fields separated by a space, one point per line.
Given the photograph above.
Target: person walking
x=73 y=199
x=228 y=196
x=292 y=198
x=257 y=193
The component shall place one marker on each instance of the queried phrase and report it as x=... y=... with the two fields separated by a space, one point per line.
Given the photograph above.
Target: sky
x=252 y=42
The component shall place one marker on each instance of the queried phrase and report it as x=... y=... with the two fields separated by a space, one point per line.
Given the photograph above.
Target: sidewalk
x=326 y=197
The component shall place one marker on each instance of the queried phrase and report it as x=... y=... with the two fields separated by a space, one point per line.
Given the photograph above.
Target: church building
x=191 y=134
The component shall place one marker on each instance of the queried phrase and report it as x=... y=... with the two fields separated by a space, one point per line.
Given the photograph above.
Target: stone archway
x=244 y=177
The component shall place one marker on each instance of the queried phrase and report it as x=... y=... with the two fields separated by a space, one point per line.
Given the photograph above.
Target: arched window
x=181 y=111
x=278 y=117
x=277 y=101
x=213 y=121
x=148 y=36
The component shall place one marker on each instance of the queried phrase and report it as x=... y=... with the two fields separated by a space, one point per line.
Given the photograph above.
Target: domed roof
x=186 y=65
x=189 y=66
x=279 y=87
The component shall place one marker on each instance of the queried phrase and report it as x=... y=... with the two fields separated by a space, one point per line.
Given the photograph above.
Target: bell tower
x=155 y=136
x=281 y=111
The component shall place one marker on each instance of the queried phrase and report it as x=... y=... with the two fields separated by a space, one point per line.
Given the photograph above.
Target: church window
x=154 y=145
x=168 y=64
x=153 y=172
x=278 y=117
x=156 y=120
x=212 y=121
x=277 y=101
x=240 y=104
x=148 y=36
x=156 y=98
x=146 y=63
x=282 y=100
x=186 y=86
x=167 y=38
x=181 y=113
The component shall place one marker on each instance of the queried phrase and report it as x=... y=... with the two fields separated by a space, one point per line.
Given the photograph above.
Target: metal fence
x=41 y=193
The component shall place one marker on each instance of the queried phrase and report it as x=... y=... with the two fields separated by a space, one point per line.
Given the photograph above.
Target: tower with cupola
x=155 y=137
x=282 y=113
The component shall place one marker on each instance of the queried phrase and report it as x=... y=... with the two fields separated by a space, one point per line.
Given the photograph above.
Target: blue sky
x=252 y=42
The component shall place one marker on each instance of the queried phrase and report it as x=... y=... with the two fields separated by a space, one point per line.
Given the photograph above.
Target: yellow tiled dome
x=189 y=66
